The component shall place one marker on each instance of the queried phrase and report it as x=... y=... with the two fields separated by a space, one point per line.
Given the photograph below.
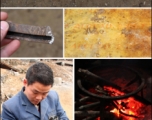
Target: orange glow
x=98 y=118
x=115 y=111
x=128 y=106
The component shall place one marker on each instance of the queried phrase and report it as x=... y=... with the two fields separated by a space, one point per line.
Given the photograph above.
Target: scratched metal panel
x=76 y=3
x=29 y=29
x=107 y=32
x=30 y=33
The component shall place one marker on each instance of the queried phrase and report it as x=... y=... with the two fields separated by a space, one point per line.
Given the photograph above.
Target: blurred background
x=39 y=17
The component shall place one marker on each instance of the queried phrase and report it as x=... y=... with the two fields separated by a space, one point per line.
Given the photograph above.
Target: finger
x=9 y=49
x=5 y=42
x=3 y=16
x=4 y=29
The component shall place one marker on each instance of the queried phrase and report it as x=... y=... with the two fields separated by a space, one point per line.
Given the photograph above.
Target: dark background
x=144 y=64
x=39 y=17
x=141 y=66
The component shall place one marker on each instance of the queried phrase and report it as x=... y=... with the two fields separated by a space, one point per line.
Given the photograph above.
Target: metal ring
x=115 y=97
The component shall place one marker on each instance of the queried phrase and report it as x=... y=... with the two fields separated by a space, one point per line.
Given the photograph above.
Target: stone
x=57 y=80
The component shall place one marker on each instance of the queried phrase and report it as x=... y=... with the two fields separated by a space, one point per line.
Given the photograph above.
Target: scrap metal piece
x=30 y=33
x=89 y=76
x=83 y=107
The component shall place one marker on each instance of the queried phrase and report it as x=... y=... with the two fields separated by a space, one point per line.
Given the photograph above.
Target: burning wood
x=128 y=107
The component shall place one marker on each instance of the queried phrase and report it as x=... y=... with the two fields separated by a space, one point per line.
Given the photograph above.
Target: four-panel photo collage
x=76 y=60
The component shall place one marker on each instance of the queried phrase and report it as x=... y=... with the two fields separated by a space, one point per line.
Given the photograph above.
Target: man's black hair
x=40 y=72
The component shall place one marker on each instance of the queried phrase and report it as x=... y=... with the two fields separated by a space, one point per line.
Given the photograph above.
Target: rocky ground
x=11 y=82
x=76 y=3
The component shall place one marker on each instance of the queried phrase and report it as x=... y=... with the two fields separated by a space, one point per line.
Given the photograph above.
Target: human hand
x=8 y=47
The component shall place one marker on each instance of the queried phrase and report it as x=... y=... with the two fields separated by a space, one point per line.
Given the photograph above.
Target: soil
x=12 y=82
x=75 y=3
x=39 y=17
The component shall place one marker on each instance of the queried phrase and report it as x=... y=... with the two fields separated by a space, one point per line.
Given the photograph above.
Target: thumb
x=4 y=29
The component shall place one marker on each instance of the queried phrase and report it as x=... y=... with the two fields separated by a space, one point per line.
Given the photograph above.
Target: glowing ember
x=98 y=118
x=115 y=111
x=128 y=106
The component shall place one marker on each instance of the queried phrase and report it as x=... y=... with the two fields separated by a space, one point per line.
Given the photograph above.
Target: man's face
x=36 y=92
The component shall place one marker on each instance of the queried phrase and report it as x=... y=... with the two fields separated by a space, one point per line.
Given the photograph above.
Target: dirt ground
x=12 y=82
x=76 y=3
x=39 y=17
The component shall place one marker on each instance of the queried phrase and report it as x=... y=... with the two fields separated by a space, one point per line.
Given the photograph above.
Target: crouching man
x=35 y=101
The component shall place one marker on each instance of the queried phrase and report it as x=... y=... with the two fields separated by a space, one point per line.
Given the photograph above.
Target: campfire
x=100 y=98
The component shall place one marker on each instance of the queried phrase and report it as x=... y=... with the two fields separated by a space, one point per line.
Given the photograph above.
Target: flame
x=128 y=106
x=116 y=111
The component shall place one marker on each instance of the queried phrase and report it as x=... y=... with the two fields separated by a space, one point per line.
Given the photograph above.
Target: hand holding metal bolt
x=30 y=33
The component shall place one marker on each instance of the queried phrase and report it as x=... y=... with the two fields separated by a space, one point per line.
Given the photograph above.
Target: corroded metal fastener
x=30 y=33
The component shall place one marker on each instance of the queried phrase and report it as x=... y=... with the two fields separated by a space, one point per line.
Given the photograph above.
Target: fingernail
x=4 y=25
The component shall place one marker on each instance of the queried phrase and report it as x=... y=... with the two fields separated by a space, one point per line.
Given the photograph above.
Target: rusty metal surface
x=30 y=33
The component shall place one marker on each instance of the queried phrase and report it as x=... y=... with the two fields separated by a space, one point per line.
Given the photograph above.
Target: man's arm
x=60 y=112
x=7 y=114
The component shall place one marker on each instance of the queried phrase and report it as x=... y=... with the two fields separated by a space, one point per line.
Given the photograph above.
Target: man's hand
x=9 y=46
